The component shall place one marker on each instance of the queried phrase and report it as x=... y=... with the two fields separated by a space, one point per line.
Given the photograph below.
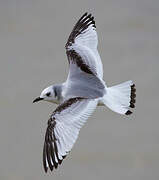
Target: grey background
x=32 y=56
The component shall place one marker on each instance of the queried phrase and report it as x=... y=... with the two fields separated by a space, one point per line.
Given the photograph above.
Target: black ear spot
x=48 y=94
x=55 y=91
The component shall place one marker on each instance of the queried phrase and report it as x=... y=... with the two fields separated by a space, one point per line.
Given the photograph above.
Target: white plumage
x=83 y=90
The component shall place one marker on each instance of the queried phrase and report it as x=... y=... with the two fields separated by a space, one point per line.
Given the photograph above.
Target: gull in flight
x=80 y=94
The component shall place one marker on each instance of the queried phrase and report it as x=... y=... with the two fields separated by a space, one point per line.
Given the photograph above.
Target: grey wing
x=86 y=72
x=80 y=84
x=63 y=129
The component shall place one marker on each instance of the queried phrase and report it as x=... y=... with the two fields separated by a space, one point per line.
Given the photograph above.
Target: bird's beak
x=38 y=99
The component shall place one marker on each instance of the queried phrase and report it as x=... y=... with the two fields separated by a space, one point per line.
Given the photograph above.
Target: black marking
x=132 y=99
x=66 y=104
x=47 y=140
x=76 y=58
x=52 y=152
x=56 y=150
x=55 y=91
x=128 y=112
x=132 y=105
x=48 y=150
x=83 y=23
x=44 y=158
x=133 y=96
x=48 y=155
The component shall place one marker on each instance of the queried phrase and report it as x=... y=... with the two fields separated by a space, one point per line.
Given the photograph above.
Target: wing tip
x=44 y=159
x=82 y=24
x=45 y=169
x=90 y=17
x=51 y=158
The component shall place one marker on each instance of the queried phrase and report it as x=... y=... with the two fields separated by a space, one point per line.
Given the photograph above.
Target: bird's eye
x=48 y=94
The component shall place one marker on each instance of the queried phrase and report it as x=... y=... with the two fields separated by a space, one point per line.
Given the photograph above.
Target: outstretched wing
x=63 y=129
x=81 y=47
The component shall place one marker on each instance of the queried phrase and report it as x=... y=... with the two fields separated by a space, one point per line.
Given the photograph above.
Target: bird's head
x=48 y=94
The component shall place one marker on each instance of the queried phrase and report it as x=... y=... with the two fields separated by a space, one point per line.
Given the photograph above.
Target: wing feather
x=63 y=129
x=81 y=47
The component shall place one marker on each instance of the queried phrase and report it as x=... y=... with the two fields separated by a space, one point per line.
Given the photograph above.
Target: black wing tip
x=50 y=152
x=45 y=169
x=82 y=24
x=51 y=167
x=85 y=14
x=85 y=21
x=91 y=20
x=44 y=159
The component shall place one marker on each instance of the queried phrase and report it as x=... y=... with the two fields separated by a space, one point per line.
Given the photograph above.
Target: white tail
x=121 y=97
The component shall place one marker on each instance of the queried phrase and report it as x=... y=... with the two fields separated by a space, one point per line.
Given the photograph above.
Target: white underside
x=117 y=98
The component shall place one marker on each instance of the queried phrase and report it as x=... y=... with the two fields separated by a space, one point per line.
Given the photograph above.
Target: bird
x=78 y=97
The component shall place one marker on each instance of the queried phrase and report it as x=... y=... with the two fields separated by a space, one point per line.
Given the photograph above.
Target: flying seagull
x=79 y=95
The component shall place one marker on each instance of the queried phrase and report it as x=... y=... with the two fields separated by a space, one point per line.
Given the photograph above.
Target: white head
x=48 y=94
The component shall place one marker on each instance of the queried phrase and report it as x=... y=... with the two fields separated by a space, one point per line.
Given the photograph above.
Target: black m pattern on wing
x=66 y=104
x=73 y=56
x=51 y=158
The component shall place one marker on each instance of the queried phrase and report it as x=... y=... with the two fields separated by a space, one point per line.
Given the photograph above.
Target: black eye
x=48 y=94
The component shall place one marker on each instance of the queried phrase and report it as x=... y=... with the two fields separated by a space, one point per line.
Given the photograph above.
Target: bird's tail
x=121 y=98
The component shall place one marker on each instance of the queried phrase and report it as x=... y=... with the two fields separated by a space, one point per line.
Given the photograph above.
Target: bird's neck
x=59 y=89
